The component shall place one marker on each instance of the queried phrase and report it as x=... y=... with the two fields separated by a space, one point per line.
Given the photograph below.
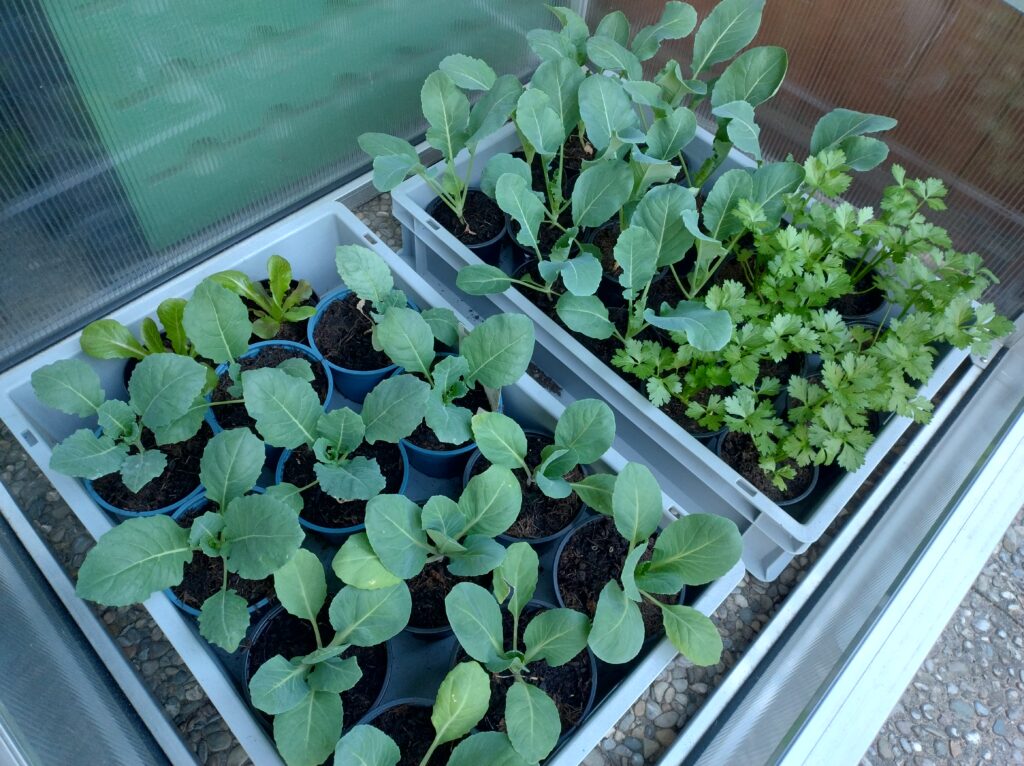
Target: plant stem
x=429 y=753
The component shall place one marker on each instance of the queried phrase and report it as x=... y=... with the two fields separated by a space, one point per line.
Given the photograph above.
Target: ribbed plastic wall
x=951 y=72
x=137 y=135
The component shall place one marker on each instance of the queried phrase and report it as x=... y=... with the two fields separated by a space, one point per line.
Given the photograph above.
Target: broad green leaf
x=301 y=586
x=482 y=279
x=468 y=72
x=85 y=455
x=556 y=636
x=443 y=324
x=490 y=502
x=461 y=702
x=343 y=429
x=335 y=675
x=674 y=87
x=393 y=409
x=556 y=463
x=370 y=617
x=840 y=124
x=393 y=159
x=260 y=535
x=486 y=747
x=140 y=468
x=636 y=252
x=585 y=314
x=601 y=191
x=539 y=122
x=771 y=182
x=516 y=576
x=493 y=109
x=614 y=26
x=231 y=465
x=499 y=350
x=864 y=153
x=728 y=190
x=636 y=503
x=286 y=409
x=606 y=111
x=306 y=734
x=184 y=427
x=205 y=533
x=515 y=197
x=660 y=212
x=476 y=620
x=648 y=172
x=442 y=514
x=395 y=530
x=617 y=633
x=217 y=323
x=480 y=554
x=288 y=494
x=742 y=130
x=500 y=439
x=164 y=387
x=669 y=134
x=729 y=28
x=706 y=330
x=224 y=619
x=150 y=334
x=548 y=45
x=278 y=685
x=754 y=76
x=532 y=721
x=134 y=560
x=499 y=165
x=358 y=478
x=574 y=27
x=279 y=274
x=109 y=339
x=407 y=339
x=605 y=53
x=357 y=564
x=171 y=313
x=446 y=109
x=629 y=586
x=693 y=634
x=298 y=368
x=581 y=275
x=450 y=423
x=118 y=419
x=699 y=547
x=587 y=427
x=366 y=746
x=317 y=656
x=677 y=21
x=364 y=272
x=597 y=491
x=645 y=93
x=560 y=79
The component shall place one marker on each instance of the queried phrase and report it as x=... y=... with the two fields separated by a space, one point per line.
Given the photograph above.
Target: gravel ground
x=964 y=705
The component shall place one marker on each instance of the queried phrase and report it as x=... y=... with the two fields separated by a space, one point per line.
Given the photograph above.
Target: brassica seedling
x=282 y=304
x=109 y=339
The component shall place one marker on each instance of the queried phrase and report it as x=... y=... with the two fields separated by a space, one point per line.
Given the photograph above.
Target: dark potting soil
x=294 y=331
x=235 y=415
x=423 y=437
x=429 y=589
x=205 y=575
x=568 y=685
x=410 y=727
x=865 y=298
x=783 y=369
x=593 y=556
x=180 y=477
x=604 y=240
x=291 y=637
x=344 y=335
x=323 y=510
x=577 y=151
x=738 y=451
x=482 y=220
x=541 y=515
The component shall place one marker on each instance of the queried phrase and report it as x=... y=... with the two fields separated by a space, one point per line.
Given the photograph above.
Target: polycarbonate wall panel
x=951 y=72
x=138 y=135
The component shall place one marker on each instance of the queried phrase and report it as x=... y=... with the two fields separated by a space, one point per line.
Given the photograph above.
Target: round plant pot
x=786 y=502
x=509 y=539
x=560 y=551
x=338 y=534
x=488 y=251
x=198 y=500
x=536 y=605
x=609 y=290
x=312 y=355
x=412 y=730
x=260 y=636
x=353 y=384
x=873 y=308
x=428 y=600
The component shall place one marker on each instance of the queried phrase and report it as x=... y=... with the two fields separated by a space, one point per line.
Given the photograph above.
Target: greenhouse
x=505 y=383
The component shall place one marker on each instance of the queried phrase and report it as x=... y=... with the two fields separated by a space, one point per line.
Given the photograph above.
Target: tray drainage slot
x=433 y=224
x=370 y=238
x=748 y=488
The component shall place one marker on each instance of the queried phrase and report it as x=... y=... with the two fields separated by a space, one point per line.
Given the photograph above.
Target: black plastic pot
x=609 y=290
x=793 y=501
x=509 y=539
x=489 y=251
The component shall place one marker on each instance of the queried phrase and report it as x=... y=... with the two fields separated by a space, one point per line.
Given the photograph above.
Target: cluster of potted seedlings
x=242 y=478
x=269 y=435
x=776 y=323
